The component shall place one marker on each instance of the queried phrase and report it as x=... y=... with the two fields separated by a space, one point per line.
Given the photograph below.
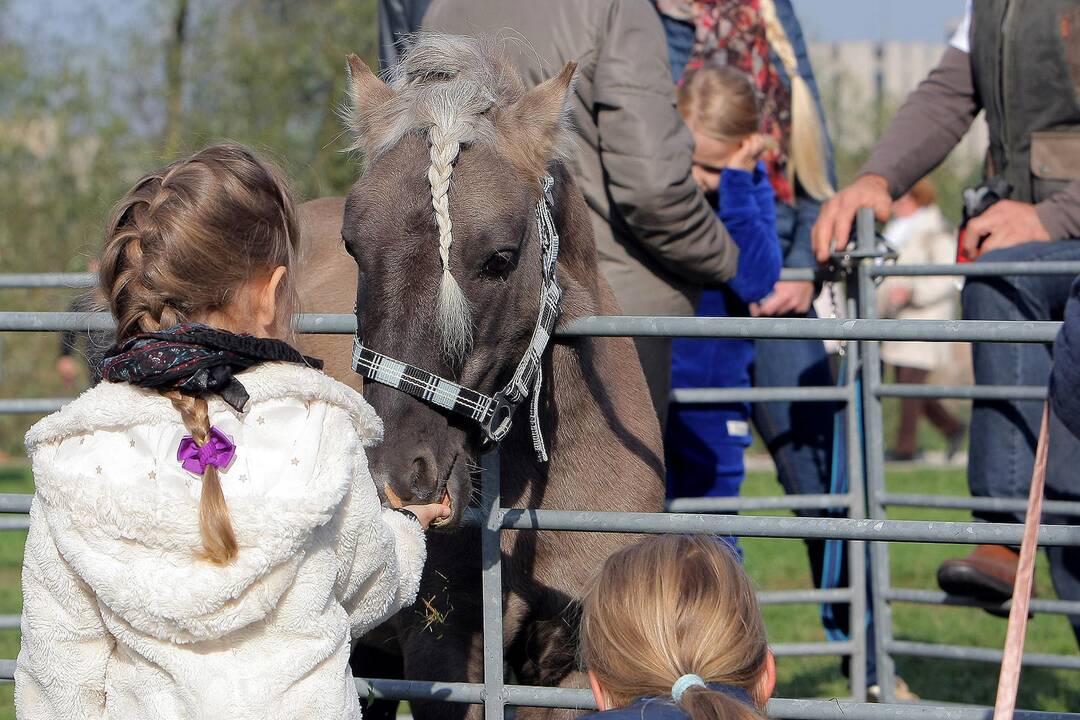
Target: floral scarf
x=732 y=32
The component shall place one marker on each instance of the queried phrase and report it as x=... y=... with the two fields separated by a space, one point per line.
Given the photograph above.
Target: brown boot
x=987 y=574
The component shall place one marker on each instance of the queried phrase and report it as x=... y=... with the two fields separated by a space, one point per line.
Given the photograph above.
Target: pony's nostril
x=417 y=475
x=422 y=481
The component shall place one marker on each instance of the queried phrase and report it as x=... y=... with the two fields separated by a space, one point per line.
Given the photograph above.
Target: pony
x=446 y=229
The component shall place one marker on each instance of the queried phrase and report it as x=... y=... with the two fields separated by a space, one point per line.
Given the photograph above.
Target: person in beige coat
x=923 y=237
x=657 y=238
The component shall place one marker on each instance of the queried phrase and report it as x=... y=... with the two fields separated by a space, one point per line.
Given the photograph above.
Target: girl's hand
x=428 y=514
x=746 y=157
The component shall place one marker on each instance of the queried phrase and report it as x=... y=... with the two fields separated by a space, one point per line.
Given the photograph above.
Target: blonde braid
x=127 y=272
x=455 y=317
x=215 y=526
x=807 y=142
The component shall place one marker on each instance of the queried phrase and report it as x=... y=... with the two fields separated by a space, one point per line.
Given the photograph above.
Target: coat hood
x=124 y=514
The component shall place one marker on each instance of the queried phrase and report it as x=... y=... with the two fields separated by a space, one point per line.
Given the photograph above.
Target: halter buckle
x=498 y=422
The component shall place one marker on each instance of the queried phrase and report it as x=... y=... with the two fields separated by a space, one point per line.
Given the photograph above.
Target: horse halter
x=493 y=413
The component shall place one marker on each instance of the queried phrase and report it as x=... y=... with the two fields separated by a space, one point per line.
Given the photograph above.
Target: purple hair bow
x=217 y=451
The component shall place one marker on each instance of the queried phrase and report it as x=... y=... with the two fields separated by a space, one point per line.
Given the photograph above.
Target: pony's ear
x=367 y=93
x=530 y=129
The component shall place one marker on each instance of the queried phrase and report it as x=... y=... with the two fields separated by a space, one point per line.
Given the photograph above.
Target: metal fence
x=865 y=526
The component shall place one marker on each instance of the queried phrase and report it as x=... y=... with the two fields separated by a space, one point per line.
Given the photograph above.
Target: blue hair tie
x=685 y=683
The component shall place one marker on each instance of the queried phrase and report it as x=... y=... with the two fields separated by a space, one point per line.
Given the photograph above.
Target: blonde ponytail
x=672 y=606
x=806 y=149
x=704 y=704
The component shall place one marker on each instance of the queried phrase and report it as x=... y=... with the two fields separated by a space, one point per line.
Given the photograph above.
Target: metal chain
x=844 y=265
x=834 y=301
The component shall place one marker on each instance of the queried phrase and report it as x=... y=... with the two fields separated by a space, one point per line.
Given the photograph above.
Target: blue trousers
x=703 y=458
x=1062 y=461
x=704 y=447
x=1004 y=433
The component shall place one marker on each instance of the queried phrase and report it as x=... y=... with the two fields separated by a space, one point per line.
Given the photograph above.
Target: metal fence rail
x=640 y=326
x=983 y=269
x=529 y=696
x=864 y=504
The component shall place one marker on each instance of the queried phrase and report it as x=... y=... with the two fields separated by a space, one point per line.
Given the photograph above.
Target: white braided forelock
x=455 y=317
x=444 y=88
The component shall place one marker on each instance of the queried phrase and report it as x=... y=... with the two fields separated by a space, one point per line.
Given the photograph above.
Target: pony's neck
x=596 y=412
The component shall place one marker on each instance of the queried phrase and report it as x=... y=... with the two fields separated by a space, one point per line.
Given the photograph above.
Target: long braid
x=807 y=145
x=455 y=317
x=129 y=263
x=215 y=527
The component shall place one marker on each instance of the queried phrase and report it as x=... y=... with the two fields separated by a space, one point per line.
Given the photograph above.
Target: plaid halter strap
x=493 y=413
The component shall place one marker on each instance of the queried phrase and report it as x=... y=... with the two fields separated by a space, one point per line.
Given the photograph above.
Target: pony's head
x=443 y=228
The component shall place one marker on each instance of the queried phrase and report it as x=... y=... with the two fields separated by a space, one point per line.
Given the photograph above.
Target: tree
x=174 y=80
x=272 y=74
x=163 y=80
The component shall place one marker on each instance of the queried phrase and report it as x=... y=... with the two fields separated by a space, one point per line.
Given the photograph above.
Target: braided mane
x=445 y=89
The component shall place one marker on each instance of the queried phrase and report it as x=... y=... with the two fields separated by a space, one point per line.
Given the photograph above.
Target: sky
x=823 y=20
x=840 y=20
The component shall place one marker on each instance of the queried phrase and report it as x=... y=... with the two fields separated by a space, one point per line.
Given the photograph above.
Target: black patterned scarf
x=196 y=360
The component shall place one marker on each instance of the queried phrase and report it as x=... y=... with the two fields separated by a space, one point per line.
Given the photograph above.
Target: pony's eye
x=349 y=248
x=501 y=264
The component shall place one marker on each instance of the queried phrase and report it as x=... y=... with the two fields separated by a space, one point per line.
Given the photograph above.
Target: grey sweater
x=932 y=122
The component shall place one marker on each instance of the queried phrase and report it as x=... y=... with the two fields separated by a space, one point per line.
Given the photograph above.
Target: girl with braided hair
x=206 y=538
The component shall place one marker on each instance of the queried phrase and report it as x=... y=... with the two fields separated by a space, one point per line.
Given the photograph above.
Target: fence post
x=856 y=556
x=874 y=453
x=491 y=587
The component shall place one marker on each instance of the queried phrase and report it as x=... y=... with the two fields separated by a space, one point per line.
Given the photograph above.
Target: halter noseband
x=493 y=413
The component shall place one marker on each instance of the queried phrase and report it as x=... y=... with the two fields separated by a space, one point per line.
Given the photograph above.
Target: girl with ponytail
x=205 y=538
x=671 y=630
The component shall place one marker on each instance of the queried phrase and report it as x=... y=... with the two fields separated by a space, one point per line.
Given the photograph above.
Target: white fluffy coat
x=121 y=620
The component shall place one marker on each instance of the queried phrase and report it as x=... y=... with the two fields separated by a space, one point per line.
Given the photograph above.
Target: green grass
x=13 y=479
x=782 y=564
x=779 y=565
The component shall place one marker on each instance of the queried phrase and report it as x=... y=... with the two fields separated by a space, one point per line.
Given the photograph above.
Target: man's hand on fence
x=838 y=214
x=1005 y=224
x=789 y=297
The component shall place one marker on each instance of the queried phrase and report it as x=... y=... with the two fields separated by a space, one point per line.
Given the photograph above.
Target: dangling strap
x=1009 y=679
x=528 y=378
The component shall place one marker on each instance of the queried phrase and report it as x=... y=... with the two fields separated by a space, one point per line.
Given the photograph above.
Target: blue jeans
x=1004 y=433
x=1062 y=460
x=799 y=436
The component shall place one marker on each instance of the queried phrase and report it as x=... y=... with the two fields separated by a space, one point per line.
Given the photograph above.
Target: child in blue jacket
x=705 y=443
